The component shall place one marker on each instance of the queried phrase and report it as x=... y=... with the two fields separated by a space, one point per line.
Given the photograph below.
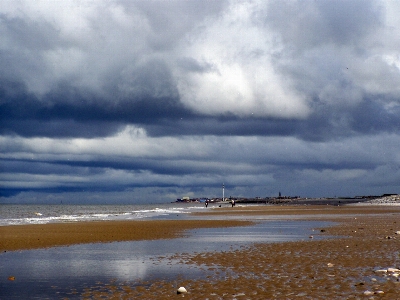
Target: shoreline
x=364 y=240
x=36 y=236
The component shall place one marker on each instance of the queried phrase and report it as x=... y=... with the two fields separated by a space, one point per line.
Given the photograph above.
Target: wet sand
x=20 y=237
x=311 y=211
x=340 y=267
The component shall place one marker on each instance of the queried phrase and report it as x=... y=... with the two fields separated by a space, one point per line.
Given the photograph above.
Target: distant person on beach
x=233 y=203
x=206 y=203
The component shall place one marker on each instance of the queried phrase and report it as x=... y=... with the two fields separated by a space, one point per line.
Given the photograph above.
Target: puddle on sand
x=54 y=272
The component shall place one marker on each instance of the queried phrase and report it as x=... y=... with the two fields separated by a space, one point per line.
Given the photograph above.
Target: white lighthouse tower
x=223 y=192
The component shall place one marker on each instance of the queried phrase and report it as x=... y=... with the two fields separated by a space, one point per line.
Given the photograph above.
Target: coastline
x=36 y=236
x=363 y=240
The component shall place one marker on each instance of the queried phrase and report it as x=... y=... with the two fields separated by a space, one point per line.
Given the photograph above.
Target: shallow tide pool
x=53 y=273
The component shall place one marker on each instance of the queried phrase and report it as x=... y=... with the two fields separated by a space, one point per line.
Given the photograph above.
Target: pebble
x=181 y=290
x=368 y=293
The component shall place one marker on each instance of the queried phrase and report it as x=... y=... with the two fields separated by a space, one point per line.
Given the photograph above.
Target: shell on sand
x=181 y=290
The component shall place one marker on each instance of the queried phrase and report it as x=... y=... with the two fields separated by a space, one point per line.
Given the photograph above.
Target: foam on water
x=43 y=214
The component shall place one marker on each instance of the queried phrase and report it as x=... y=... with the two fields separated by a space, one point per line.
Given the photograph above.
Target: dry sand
x=343 y=267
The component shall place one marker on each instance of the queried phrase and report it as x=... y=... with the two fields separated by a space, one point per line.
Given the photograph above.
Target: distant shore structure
x=385 y=198
x=223 y=192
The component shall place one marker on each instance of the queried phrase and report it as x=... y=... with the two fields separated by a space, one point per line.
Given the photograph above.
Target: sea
x=13 y=214
x=66 y=272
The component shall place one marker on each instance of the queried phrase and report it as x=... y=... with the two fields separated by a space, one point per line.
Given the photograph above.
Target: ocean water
x=65 y=272
x=13 y=214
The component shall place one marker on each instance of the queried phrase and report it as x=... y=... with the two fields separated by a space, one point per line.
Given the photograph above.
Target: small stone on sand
x=181 y=290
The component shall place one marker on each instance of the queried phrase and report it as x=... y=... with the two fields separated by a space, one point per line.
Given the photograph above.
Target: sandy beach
x=357 y=261
x=63 y=234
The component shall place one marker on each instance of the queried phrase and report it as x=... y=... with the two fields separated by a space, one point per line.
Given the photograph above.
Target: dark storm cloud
x=68 y=112
x=156 y=97
x=146 y=92
x=371 y=117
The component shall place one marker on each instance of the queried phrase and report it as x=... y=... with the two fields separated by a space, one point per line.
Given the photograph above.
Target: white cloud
x=241 y=78
x=131 y=142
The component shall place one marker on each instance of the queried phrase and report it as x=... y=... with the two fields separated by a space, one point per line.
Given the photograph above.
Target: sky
x=116 y=101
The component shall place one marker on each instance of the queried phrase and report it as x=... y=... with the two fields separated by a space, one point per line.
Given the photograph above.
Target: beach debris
x=330 y=265
x=389 y=272
x=393 y=270
x=368 y=293
x=181 y=290
x=239 y=295
x=11 y=278
x=381 y=271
